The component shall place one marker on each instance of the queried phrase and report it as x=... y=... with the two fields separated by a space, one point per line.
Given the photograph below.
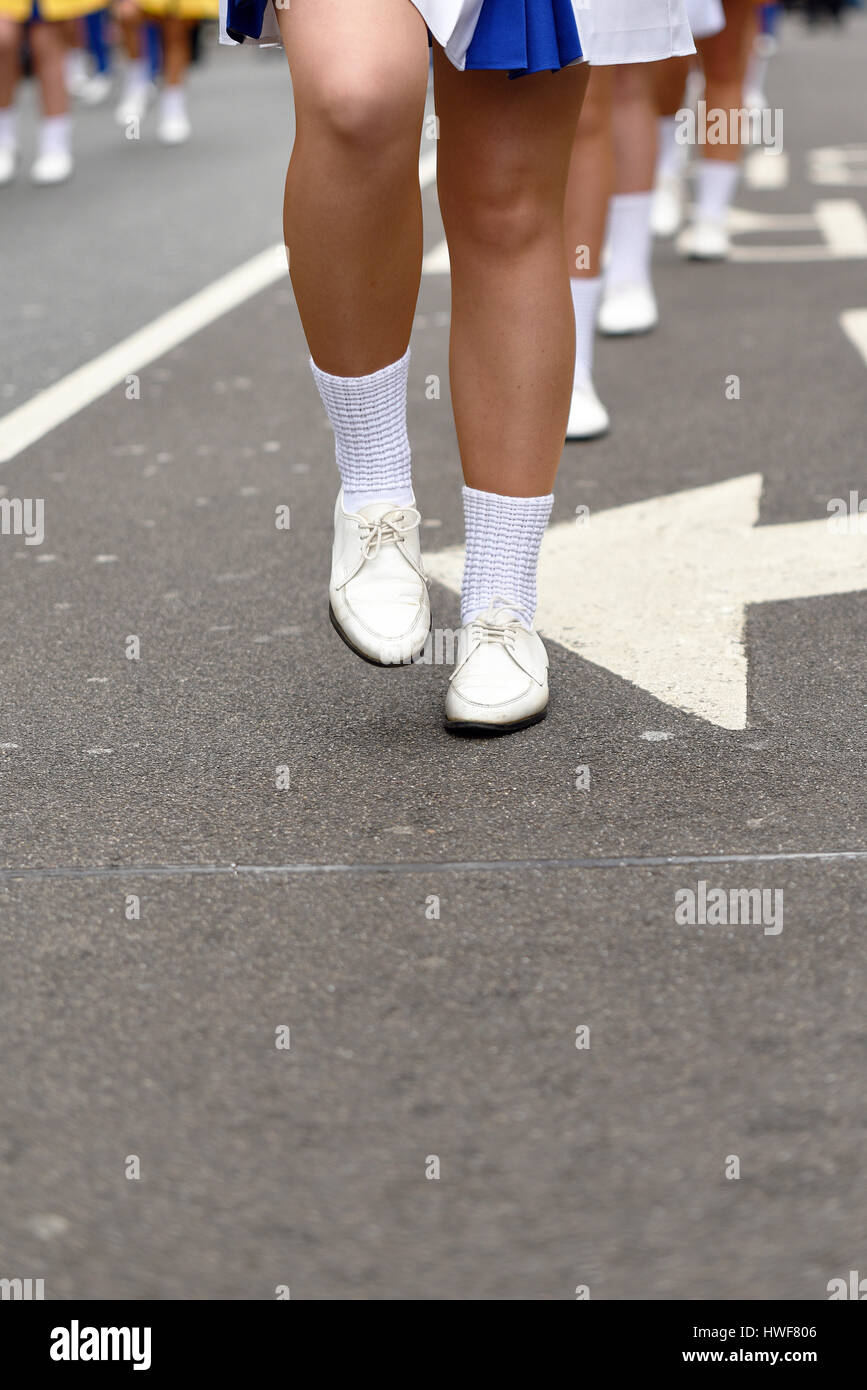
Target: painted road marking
x=766 y=169
x=840 y=222
x=838 y=164
x=657 y=591
x=31 y=421
x=854 y=325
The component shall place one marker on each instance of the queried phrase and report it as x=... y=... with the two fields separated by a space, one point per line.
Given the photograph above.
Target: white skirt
x=706 y=17
x=611 y=31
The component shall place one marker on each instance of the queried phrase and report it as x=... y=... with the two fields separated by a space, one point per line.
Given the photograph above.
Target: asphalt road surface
x=432 y=920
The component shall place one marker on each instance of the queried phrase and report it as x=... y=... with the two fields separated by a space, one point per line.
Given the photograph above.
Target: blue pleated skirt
x=522 y=36
x=514 y=36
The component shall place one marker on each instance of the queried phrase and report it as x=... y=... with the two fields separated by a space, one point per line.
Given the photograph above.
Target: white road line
x=843 y=225
x=766 y=169
x=51 y=407
x=31 y=421
x=854 y=324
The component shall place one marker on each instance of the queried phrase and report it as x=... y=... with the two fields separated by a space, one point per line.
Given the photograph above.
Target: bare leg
x=669 y=83
x=352 y=212
x=176 y=50
x=10 y=49
x=634 y=128
x=724 y=58
x=503 y=165
x=591 y=178
x=48 y=46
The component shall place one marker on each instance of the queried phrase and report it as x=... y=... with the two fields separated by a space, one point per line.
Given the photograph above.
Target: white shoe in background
x=704 y=240
x=55 y=166
x=96 y=89
x=174 y=128
x=627 y=309
x=588 y=418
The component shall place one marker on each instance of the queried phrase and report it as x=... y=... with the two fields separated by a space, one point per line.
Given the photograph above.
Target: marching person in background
x=176 y=19
x=45 y=25
x=610 y=197
x=724 y=59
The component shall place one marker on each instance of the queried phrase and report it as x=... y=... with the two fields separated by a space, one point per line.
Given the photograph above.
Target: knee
x=368 y=112
x=501 y=218
x=10 y=36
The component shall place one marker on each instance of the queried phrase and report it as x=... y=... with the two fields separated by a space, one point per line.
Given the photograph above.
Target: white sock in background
x=504 y=535
x=585 y=302
x=173 y=102
x=136 y=75
x=670 y=155
x=8 y=128
x=368 y=416
x=716 y=181
x=629 y=239
x=55 y=134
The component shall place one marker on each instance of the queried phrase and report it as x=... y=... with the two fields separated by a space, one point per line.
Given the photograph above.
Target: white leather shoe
x=704 y=241
x=174 y=129
x=588 y=418
x=54 y=167
x=378 y=593
x=627 y=309
x=8 y=163
x=666 y=210
x=500 y=680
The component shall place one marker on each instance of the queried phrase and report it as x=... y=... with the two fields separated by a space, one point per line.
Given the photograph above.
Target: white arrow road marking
x=854 y=325
x=657 y=591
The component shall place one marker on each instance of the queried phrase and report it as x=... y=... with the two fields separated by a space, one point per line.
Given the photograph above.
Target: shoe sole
x=583 y=438
x=627 y=332
x=476 y=727
x=371 y=660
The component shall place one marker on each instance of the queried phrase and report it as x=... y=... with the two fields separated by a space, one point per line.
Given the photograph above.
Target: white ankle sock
x=173 y=102
x=136 y=75
x=585 y=302
x=504 y=535
x=669 y=156
x=8 y=128
x=717 y=180
x=368 y=416
x=55 y=133
x=629 y=239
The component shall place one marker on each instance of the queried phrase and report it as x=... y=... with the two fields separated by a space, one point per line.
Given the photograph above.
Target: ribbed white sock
x=55 y=133
x=368 y=416
x=8 y=127
x=504 y=535
x=716 y=181
x=669 y=154
x=629 y=239
x=585 y=302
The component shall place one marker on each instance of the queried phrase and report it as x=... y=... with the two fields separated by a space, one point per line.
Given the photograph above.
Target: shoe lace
x=498 y=622
x=390 y=529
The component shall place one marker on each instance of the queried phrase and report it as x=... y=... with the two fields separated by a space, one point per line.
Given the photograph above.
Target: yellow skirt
x=180 y=9
x=23 y=10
